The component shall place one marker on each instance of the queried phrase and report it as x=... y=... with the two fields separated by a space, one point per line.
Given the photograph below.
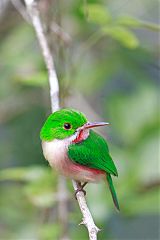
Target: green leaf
x=38 y=79
x=122 y=35
x=129 y=21
x=98 y=14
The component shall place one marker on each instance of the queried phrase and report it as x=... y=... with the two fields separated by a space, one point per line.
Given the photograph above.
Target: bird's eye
x=67 y=126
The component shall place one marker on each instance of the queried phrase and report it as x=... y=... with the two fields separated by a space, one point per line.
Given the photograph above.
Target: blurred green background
x=106 y=56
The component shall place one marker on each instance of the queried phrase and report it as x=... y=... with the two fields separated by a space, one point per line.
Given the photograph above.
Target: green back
x=94 y=153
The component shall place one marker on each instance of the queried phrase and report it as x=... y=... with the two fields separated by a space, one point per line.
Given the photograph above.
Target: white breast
x=55 y=152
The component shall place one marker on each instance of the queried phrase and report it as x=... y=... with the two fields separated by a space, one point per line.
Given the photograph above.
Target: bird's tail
x=113 y=192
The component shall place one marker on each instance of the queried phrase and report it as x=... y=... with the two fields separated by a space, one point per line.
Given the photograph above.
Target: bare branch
x=87 y=217
x=54 y=94
x=53 y=80
x=59 y=31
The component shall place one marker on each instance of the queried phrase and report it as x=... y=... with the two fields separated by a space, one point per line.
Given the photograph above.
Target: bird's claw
x=80 y=189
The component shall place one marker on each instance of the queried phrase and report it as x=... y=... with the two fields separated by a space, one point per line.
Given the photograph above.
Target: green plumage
x=113 y=192
x=94 y=153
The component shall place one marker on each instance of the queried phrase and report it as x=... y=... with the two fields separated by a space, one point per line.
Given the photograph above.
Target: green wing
x=94 y=153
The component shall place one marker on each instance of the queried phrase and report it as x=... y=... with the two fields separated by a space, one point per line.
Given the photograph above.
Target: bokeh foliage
x=111 y=60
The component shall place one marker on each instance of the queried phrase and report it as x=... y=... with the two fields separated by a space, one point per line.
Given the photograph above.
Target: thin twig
x=59 y=31
x=54 y=94
x=21 y=9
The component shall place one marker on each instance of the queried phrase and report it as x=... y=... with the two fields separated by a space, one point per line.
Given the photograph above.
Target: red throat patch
x=79 y=138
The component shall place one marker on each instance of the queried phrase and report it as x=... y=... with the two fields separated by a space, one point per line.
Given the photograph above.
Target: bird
x=76 y=151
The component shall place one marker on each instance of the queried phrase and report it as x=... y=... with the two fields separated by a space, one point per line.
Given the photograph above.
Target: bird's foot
x=80 y=189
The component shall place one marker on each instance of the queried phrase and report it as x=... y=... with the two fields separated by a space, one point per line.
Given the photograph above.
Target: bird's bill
x=94 y=124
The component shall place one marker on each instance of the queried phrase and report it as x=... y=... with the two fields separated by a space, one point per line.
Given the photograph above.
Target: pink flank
x=82 y=173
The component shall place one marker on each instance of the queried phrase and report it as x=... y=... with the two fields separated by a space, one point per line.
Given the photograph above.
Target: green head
x=62 y=124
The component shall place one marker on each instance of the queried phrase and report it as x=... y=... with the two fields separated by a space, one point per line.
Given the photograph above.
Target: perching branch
x=87 y=217
x=54 y=95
